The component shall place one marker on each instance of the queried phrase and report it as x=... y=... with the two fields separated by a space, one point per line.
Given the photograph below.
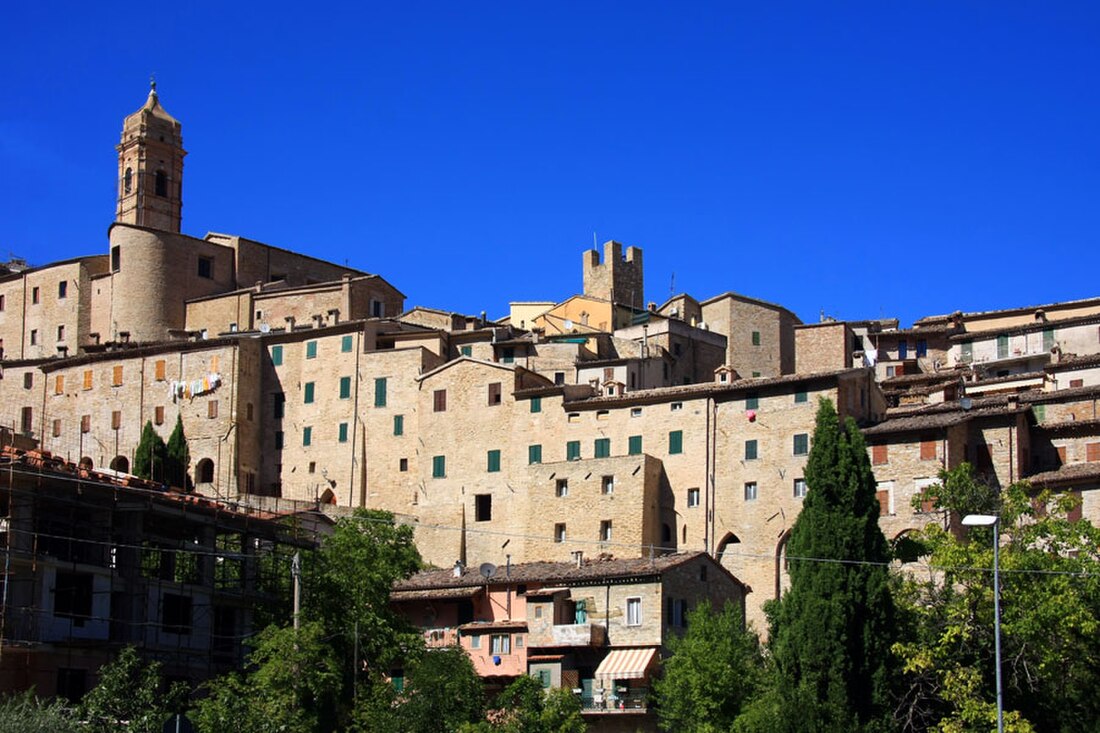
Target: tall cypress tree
x=178 y=457
x=149 y=454
x=831 y=632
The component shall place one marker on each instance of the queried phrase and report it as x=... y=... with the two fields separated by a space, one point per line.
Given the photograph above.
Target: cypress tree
x=178 y=457
x=831 y=632
x=149 y=454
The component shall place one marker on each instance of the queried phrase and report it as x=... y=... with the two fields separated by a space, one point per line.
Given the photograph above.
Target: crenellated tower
x=150 y=168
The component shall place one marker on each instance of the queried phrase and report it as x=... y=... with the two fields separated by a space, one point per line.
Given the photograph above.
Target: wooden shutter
x=879 y=455
x=928 y=450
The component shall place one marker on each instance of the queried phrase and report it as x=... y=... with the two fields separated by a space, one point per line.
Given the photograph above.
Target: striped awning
x=625 y=664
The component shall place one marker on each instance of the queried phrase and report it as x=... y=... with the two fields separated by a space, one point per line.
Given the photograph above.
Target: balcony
x=576 y=635
x=442 y=637
x=622 y=700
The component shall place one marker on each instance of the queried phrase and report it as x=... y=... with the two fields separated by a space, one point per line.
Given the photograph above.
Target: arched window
x=204 y=471
x=128 y=181
x=120 y=464
x=86 y=463
x=328 y=497
x=729 y=539
x=666 y=535
x=162 y=184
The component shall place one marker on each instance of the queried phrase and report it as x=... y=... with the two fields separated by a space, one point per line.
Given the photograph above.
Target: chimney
x=125 y=336
x=334 y=316
x=578 y=557
x=318 y=320
x=458 y=569
x=289 y=323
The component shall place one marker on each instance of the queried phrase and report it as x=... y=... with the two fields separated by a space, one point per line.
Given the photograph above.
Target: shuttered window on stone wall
x=602 y=447
x=439 y=400
x=536 y=404
x=1092 y=452
x=928 y=450
x=751 y=450
x=59 y=384
x=277 y=355
x=676 y=442
x=801 y=444
x=158 y=414
x=883 y=502
x=212 y=409
x=88 y=378
x=116 y=376
x=534 y=454
x=492 y=461
x=158 y=370
x=494 y=394
x=345 y=343
x=116 y=420
x=634 y=445
x=85 y=423
x=309 y=390
x=345 y=388
x=342 y=432
x=56 y=428
x=879 y=455
x=439 y=466
x=398 y=424
x=573 y=450
x=307 y=435
x=311 y=349
x=380 y=385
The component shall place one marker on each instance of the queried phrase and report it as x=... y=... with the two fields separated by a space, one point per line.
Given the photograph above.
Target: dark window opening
x=483 y=507
x=206 y=267
x=73 y=596
x=176 y=614
x=161 y=187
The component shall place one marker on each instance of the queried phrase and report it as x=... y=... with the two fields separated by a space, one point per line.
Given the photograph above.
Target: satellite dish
x=487 y=570
x=966 y=403
x=568 y=324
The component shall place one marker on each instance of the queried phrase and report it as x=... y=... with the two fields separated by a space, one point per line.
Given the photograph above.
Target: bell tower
x=150 y=167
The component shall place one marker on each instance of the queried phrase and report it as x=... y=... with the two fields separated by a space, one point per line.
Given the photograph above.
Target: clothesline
x=180 y=389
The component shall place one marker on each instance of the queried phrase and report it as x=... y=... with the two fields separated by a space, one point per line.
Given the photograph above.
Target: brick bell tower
x=150 y=167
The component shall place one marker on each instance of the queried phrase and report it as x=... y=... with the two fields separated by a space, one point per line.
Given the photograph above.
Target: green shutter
x=307 y=435
x=311 y=349
x=345 y=387
x=1002 y=346
x=467 y=351
x=536 y=404
x=492 y=461
x=309 y=392
x=572 y=450
x=343 y=436
x=398 y=424
x=439 y=466
x=676 y=442
x=277 y=355
x=380 y=392
x=534 y=454
x=750 y=450
x=800 y=397
x=752 y=402
x=1048 y=339
x=755 y=338
x=801 y=444
x=603 y=447
x=345 y=344
x=634 y=445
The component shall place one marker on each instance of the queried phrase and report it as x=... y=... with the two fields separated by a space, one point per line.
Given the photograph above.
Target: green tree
x=149 y=456
x=292 y=686
x=130 y=690
x=441 y=693
x=1050 y=614
x=27 y=714
x=831 y=633
x=525 y=707
x=177 y=457
x=715 y=668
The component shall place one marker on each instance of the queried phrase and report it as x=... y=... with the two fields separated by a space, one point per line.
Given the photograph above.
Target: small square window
x=676 y=406
x=212 y=409
x=750 y=491
x=466 y=351
x=439 y=400
x=752 y=402
x=693 y=497
x=559 y=532
x=206 y=267
x=34 y=337
x=800 y=397
x=801 y=444
x=60 y=333
x=607 y=485
x=799 y=488
x=635 y=412
x=561 y=488
x=63 y=290
x=403 y=464
x=494 y=394
x=158 y=414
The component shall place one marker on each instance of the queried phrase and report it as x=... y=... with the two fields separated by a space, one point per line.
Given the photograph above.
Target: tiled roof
x=602 y=568
x=1069 y=473
x=1073 y=361
x=1025 y=328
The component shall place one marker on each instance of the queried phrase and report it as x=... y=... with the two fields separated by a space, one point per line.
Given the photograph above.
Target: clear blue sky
x=866 y=158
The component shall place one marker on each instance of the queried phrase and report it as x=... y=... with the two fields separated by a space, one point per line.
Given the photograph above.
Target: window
x=799 y=488
x=605 y=530
x=750 y=450
x=755 y=338
x=879 y=455
x=500 y=644
x=676 y=407
x=278 y=407
x=62 y=290
x=494 y=393
x=561 y=487
x=345 y=344
x=1075 y=383
x=73 y=596
x=345 y=389
x=693 y=497
x=206 y=267
x=903 y=349
x=750 y=491
x=573 y=417
x=634 y=445
x=311 y=349
x=492 y=461
x=801 y=444
x=398 y=424
x=309 y=393
x=607 y=485
x=277 y=355
x=800 y=397
x=559 y=533
x=559 y=378
x=403 y=464
x=508 y=354
x=377 y=308
x=475 y=641
x=26 y=422
x=1092 y=452
x=752 y=402
x=158 y=370
x=603 y=414
x=633 y=611
x=534 y=454
x=176 y=615
x=602 y=447
x=483 y=507
x=2 y=303
x=966 y=351
x=59 y=384
x=573 y=450
x=342 y=432
x=1002 y=346
x=278 y=440
x=439 y=466
x=307 y=435
x=158 y=414
x=884 y=492
x=116 y=259
x=56 y=428
x=928 y=450
x=160 y=186
x=60 y=333
x=439 y=400
x=116 y=376
x=212 y=409
x=85 y=423
x=34 y=337
x=466 y=351
x=536 y=404
x=676 y=442
x=36 y=295
x=28 y=380
x=635 y=412
x=922 y=348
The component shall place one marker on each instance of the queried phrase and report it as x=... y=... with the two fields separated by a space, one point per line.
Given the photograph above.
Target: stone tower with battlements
x=618 y=278
x=150 y=168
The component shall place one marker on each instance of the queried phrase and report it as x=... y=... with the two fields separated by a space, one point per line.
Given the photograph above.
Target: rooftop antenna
x=487 y=570
x=672 y=285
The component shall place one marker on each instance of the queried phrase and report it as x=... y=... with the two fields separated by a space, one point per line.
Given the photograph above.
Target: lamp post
x=990 y=520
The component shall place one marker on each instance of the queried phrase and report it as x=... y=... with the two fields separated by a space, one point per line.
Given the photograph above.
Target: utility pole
x=296 y=575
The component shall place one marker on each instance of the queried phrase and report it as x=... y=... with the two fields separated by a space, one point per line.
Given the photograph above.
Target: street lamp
x=990 y=520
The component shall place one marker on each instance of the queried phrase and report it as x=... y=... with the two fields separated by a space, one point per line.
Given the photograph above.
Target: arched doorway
x=204 y=471
x=782 y=578
x=328 y=497
x=120 y=464
x=729 y=539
